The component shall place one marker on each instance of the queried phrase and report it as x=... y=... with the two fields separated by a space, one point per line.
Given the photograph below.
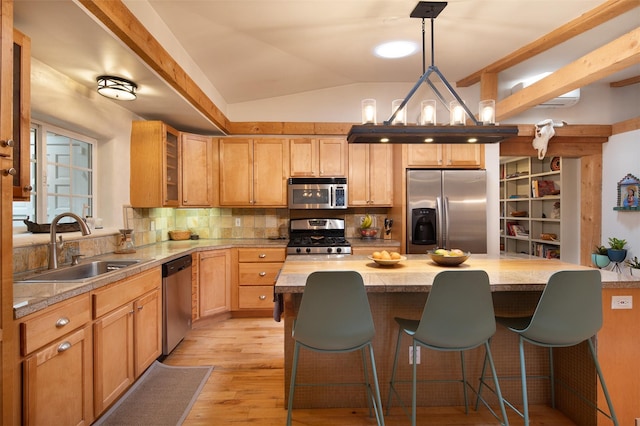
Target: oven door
x=317 y=193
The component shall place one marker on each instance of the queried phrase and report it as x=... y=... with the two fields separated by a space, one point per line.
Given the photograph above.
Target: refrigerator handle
x=440 y=223
x=445 y=232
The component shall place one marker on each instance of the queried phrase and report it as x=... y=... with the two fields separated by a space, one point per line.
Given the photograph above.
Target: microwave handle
x=332 y=196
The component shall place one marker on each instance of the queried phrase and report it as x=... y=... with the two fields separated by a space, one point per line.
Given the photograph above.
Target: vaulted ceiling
x=256 y=49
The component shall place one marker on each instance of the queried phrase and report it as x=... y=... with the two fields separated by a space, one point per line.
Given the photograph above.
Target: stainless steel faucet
x=53 y=245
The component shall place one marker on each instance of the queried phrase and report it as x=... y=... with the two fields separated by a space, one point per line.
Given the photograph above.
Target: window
x=62 y=169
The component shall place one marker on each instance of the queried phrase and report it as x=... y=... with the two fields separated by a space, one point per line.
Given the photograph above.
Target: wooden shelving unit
x=541 y=202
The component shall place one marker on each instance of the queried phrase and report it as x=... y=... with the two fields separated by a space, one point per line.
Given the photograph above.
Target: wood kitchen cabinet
x=57 y=371
x=257 y=271
x=445 y=155
x=318 y=157
x=253 y=172
x=21 y=116
x=214 y=282
x=196 y=154
x=155 y=165
x=127 y=333
x=370 y=175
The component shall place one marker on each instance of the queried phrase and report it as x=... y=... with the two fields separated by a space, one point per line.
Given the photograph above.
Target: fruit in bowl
x=386 y=258
x=369 y=232
x=451 y=257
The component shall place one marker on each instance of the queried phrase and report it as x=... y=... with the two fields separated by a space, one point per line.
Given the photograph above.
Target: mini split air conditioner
x=563 y=101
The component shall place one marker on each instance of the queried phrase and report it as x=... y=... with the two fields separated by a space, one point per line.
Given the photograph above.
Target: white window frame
x=41 y=166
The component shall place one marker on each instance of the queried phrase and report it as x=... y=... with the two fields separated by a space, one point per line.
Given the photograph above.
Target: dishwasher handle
x=176 y=265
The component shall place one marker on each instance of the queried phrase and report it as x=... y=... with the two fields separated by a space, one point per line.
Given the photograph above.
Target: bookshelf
x=539 y=207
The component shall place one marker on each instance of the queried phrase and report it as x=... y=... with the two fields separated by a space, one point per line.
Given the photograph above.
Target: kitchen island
x=516 y=282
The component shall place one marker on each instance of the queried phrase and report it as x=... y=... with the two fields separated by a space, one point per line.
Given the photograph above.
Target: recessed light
x=396 y=49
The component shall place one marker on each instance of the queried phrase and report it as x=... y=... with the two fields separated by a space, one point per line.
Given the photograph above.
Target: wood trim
x=590 y=205
x=608 y=59
x=118 y=19
x=585 y=22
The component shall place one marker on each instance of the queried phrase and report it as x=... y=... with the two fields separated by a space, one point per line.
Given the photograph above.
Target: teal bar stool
x=457 y=316
x=335 y=317
x=568 y=313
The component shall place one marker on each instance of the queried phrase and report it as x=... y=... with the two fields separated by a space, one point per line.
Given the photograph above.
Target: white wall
x=57 y=100
x=621 y=155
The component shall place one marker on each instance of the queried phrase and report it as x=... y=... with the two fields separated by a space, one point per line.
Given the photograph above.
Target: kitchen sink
x=80 y=272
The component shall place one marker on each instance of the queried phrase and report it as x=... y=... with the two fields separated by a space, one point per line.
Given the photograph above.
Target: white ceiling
x=257 y=49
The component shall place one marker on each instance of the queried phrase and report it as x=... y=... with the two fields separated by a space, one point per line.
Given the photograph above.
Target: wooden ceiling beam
x=625 y=82
x=118 y=19
x=608 y=59
x=591 y=19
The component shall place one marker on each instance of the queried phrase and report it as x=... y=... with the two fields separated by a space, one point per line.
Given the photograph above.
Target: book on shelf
x=546 y=250
x=540 y=188
x=520 y=231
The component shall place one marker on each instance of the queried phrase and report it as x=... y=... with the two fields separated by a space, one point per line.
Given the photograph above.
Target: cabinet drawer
x=258 y=273
x=256 y=297
x=117 y=294
x=261 y=255
x=54 y=323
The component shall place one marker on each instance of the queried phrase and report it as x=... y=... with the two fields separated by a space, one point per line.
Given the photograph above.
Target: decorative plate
x=555 y=164
x=387 y=262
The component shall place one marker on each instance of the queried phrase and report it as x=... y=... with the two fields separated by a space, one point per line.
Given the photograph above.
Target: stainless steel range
x=317 y=236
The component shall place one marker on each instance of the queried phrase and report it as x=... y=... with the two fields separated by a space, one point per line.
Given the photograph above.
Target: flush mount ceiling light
x=394 y=130
x=116 y=88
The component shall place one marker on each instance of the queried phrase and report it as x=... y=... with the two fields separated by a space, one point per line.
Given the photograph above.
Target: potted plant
x=599 y=257
x=633 y=264
x=616 y=251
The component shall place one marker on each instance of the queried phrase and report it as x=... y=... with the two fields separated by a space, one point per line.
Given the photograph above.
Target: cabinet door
x=113 y=356
x=381 y=175
x=370 y=175
x=358 y=175
x=57 y=382
x=333 y=157
x=424 y=155
x=197 y=181
x=214 y=292
x=21 y=116
x=464 y=155
x=270 y=172
x=236 y=168
x=147 y=333
x=303 y=157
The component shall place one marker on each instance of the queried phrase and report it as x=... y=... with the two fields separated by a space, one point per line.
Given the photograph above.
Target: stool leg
x=479 y=394
x=523 y=373
x=612 y=413
x=414 y=386
x=464 y=384
x=294 y=369
x=552 y=379
x=367 y=383
x=489 y=357
x=393 y=370
x=377 y=404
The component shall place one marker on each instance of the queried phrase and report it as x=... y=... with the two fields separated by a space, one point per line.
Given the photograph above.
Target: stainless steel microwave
x=318 y=193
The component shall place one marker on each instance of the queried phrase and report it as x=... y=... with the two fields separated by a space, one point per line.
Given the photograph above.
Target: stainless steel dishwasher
x=176 y=302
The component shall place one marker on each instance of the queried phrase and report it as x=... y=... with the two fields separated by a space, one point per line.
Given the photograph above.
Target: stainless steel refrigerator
x=446 y=209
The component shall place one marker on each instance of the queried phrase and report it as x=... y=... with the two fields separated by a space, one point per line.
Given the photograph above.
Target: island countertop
x=416 y=273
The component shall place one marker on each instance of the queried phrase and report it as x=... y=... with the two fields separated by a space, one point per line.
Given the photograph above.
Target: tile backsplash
x=152 y=225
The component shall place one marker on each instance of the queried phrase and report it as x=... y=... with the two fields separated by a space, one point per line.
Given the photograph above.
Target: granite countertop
x=416 y=273
x=32 y=297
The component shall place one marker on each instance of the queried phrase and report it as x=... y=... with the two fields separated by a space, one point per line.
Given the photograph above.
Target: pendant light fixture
x=482 y=130
x=116 y=88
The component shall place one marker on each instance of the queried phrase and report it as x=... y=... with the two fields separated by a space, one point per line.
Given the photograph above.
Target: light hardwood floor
x=246 y=386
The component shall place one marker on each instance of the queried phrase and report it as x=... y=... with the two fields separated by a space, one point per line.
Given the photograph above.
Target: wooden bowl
x=448 y=260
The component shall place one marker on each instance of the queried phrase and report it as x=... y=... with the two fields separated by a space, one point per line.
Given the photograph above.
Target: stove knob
x=338 y=250
x=308 y=250
x=298 y=250
x=329 y=249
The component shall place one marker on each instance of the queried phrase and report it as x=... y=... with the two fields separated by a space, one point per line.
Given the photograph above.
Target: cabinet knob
x=64 y=346
x=140 y=308
x=10 y=171
x=27 y=188
x=262 y=274
x=262 y=297
x=262 y=255
x=62 y=322
x=8 y=143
